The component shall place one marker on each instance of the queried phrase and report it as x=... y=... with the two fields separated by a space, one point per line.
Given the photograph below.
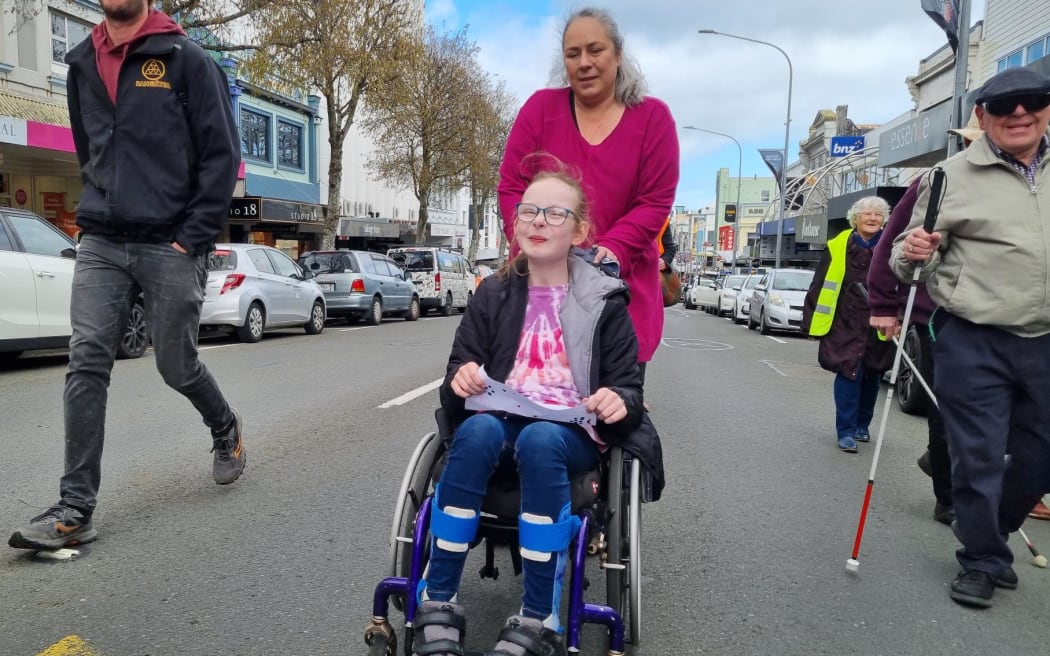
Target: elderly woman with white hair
x=836 y=312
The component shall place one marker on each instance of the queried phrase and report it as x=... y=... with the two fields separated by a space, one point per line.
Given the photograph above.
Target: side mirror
x=68 y=253
x=760 y=288
x=736 y=288
x=307 y=275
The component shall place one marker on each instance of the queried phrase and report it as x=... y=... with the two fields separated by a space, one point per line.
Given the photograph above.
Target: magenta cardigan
x=629 y=179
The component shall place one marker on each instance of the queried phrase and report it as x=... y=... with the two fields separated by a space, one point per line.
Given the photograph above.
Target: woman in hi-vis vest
x=836 y=312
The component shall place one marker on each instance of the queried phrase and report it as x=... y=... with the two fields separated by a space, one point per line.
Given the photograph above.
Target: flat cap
x=1012 y=82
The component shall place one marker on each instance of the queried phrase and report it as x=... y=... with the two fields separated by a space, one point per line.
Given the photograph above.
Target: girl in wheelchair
x=554 y=329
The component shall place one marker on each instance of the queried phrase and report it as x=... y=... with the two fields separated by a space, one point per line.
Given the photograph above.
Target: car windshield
x=751 y=282
x=329 y=263
x=794 y=281
x=222 y=260
x=414 y=260
x=733 y=281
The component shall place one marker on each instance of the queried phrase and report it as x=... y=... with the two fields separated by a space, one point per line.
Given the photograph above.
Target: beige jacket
x=993 y=263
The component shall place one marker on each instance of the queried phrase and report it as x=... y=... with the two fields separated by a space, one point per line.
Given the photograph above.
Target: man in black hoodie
x=158 y=150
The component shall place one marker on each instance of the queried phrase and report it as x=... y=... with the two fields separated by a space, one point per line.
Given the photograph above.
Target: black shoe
x=973 y=587
x=944 y=514
x=1006 y=579
x=529 y=637
x=229 y=454
x=60 y=526
x=440 y=628
x=863 y=437
x=924 y=464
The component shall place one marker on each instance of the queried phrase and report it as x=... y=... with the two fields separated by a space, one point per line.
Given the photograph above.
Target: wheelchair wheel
x=623 y=580
x=416 y=486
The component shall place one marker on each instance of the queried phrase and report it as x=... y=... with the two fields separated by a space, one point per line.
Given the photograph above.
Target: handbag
x=671 y=286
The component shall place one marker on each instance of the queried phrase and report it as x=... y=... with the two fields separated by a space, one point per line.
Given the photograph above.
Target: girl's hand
x=467 y=382
x=607 y=405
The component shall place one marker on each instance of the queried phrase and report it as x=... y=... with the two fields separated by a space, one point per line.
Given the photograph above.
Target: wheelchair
x=606 y=500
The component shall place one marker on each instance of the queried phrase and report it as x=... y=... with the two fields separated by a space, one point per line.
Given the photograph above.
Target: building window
x=66 y=33
x=289 y=145
x=255 y=135
x=765 y=195
x=1032 y=52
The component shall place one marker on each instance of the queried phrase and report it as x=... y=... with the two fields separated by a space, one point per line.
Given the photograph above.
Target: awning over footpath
x=35 y=123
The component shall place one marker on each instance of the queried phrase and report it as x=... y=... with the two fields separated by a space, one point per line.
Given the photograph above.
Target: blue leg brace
x=452 y=530
x=542 y=538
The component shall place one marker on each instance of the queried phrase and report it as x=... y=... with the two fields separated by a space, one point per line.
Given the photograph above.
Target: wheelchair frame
x=618 y=548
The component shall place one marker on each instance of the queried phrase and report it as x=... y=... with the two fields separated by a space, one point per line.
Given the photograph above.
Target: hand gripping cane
x=932 y=208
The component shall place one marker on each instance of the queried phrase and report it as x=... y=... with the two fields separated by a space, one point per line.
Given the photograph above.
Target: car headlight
x=777 y=300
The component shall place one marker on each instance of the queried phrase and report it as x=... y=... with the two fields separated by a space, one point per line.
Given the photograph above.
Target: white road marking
x=219 y=346
x=769 y=363
x=778 y=341
x=408 y=396
x=58 y=554
x=346 y=330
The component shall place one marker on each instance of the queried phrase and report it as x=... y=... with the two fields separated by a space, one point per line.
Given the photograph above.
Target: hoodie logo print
x=153 y=70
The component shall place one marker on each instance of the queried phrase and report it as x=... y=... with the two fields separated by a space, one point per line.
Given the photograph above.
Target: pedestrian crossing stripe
x=70 y=646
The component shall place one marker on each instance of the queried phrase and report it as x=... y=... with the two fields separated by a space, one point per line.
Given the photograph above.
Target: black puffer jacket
x=599 y=341
x=154 y=169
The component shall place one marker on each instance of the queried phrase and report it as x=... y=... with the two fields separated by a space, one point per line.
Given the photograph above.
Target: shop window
x=289 y=145
x=66 y=33
x=255 y=135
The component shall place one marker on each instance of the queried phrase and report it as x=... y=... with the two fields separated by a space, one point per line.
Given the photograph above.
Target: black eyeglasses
x=554 y=216
x=1032 y=102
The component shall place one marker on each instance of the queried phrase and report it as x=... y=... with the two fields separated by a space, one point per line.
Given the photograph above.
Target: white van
x=444 y=279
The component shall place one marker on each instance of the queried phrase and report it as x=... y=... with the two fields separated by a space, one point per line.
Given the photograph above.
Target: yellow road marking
x=70 y=646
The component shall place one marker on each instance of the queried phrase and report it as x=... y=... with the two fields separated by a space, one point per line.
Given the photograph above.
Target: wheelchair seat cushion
x=503 y=498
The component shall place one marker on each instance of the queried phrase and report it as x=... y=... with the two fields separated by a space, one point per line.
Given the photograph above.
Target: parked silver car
x=359 y=284
x=253 y=288
x=777 y=300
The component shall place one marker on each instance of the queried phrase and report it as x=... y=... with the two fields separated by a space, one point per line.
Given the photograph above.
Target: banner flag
x=946 y=14
x=774 y=159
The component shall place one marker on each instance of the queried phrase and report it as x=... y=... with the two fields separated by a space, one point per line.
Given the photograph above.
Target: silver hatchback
x=253 y=288
x=360 y=284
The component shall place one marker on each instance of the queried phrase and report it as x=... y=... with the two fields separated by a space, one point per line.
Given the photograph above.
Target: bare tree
x=493 y=107
x=422 y=123
x=343 y=48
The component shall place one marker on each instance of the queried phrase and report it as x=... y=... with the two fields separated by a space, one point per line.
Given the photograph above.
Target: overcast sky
x=850 y=52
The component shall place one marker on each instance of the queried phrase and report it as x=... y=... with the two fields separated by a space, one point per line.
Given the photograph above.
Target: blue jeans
x=105 y=274
x=547 y=455
x=855 y=401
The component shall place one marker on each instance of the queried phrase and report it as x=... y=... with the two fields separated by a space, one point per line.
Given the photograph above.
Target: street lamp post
x=787 y=135
x=739 y=174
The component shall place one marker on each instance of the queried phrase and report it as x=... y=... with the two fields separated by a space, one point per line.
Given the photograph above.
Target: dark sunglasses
x=1005 y=106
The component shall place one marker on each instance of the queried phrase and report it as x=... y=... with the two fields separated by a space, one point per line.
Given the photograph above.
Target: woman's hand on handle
x=468 y=381
x=888 y=326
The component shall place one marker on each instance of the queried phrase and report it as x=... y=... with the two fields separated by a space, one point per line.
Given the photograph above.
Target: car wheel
x=736 y=315
x=763 y=326
x=375 y=315
x=751 y=322
x=9 y=356
x=316 y=323
x=135 y=340
x=470 y=297
x=911 y=397
x=254 y=323
x=446 y=309
x=413 y=310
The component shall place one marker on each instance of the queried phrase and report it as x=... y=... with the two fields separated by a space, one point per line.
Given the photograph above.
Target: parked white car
x=728 y=288
x=742 y=300
x=254 y=288
x=777 y=300
x=36 y=284
x=702 y=293
x=444 y=279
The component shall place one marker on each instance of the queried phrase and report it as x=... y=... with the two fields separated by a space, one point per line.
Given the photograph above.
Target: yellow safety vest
x=828 y=298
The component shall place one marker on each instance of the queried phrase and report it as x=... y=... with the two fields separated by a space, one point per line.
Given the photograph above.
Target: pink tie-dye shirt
x=541 y=368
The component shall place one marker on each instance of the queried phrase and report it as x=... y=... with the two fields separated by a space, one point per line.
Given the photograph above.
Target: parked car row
x=251 y=288
x=768 y=301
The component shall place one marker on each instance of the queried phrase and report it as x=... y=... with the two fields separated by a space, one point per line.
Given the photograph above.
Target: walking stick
x=936 y=193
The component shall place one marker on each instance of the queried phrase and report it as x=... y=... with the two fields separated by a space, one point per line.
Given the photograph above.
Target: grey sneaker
x=59 y=526
x=229 y=454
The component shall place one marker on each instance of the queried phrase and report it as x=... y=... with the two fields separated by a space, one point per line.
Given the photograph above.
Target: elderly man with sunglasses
x=985 y=265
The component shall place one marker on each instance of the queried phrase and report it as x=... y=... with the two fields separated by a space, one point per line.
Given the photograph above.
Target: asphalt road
x=745 y=554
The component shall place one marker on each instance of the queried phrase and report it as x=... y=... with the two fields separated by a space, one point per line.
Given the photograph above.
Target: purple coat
x=887 y=295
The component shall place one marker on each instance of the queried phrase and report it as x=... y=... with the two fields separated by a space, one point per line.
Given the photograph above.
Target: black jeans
x=172 y=283
x=992 y=388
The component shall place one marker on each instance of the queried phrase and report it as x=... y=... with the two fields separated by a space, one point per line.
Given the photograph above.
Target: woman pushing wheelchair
x=554 y=330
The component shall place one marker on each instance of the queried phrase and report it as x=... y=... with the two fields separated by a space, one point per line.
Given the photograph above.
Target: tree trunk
x=336 y=138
